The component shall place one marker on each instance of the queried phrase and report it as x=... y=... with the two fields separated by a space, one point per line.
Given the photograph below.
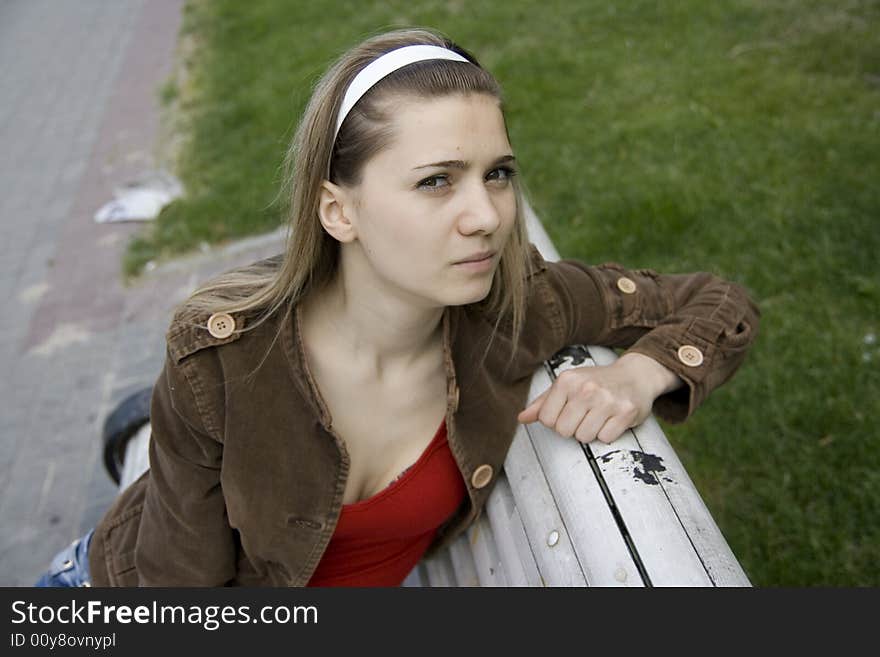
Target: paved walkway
x=78 y=118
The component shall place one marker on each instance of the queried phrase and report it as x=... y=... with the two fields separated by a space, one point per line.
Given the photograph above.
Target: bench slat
x=673 y=531
x=557 y=563
x=137 y=456
x=663 y=547
x=715 y=554
x=438 y=571
x=601 y=549
x=709 y=544
x=510 y=536
x=490 y=570
x=463 y=563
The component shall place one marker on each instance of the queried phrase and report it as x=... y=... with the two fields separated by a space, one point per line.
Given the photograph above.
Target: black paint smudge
x=608 y=456
x=646 y=466
x=651 y=466
x=576 y=353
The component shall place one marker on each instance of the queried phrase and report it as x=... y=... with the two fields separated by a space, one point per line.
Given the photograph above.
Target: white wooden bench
x=567 y=514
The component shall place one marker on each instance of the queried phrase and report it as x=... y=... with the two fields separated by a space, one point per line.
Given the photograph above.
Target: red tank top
x=378 y=541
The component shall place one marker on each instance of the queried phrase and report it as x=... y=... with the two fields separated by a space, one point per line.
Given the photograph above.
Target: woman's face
x=439 y=194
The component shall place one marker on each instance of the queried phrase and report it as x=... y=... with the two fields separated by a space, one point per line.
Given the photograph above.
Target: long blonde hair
x=311 y=255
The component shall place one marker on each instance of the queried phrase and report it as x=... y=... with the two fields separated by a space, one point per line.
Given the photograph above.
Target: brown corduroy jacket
x=247 y=474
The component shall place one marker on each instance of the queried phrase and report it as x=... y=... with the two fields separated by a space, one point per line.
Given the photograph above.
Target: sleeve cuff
x=679 y=358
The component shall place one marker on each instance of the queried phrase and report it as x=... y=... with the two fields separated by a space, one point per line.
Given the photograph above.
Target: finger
x=624 y=416
x=613 y=429
x=591 y=425
x=530 y=413
x=573 y=413
x=557 y=396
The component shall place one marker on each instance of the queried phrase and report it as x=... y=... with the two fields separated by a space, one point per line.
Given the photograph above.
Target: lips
x=484 y=255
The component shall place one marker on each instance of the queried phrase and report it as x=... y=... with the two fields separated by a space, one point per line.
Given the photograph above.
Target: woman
x=327 y=416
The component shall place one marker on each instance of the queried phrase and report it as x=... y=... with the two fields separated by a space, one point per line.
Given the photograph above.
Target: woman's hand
x=601 y=402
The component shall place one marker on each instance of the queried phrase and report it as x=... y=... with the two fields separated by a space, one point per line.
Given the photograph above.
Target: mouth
x=478 y=264
x=484 y=256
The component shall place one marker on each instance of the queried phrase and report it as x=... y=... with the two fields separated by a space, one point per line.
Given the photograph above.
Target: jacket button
x=221 y=325
x=690 y=355
x=482 y=476
x=626 y=285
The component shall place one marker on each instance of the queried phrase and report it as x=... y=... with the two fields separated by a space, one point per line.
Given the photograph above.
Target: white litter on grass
x=141 y=200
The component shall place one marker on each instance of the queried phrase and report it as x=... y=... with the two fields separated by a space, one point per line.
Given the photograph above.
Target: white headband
x=385 y=65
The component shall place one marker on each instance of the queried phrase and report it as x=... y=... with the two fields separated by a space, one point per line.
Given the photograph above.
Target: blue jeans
x=70 y=567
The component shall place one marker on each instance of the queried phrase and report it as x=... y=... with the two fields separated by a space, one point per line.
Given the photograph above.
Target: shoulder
x=193 y=330
x=201 y=323
x=209 y=349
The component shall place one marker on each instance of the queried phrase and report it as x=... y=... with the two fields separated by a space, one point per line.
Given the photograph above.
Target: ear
x=335 y=209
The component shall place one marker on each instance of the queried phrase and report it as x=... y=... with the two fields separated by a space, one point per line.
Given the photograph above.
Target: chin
x=465 y=297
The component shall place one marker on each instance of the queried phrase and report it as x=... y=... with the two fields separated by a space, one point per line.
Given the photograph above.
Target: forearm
x=698 y=326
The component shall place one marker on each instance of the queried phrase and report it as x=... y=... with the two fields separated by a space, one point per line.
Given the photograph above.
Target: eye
x=501 y=175
x=434 y=183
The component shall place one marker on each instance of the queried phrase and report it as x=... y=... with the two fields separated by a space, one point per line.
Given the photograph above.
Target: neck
x=379 y=332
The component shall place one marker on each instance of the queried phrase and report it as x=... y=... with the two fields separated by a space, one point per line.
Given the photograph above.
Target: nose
x=479 y=211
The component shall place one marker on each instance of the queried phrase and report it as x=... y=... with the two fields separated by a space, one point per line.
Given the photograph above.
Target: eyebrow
x=461 y=164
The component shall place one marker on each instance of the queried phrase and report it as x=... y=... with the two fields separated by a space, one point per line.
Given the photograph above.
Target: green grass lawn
x=739 y=137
